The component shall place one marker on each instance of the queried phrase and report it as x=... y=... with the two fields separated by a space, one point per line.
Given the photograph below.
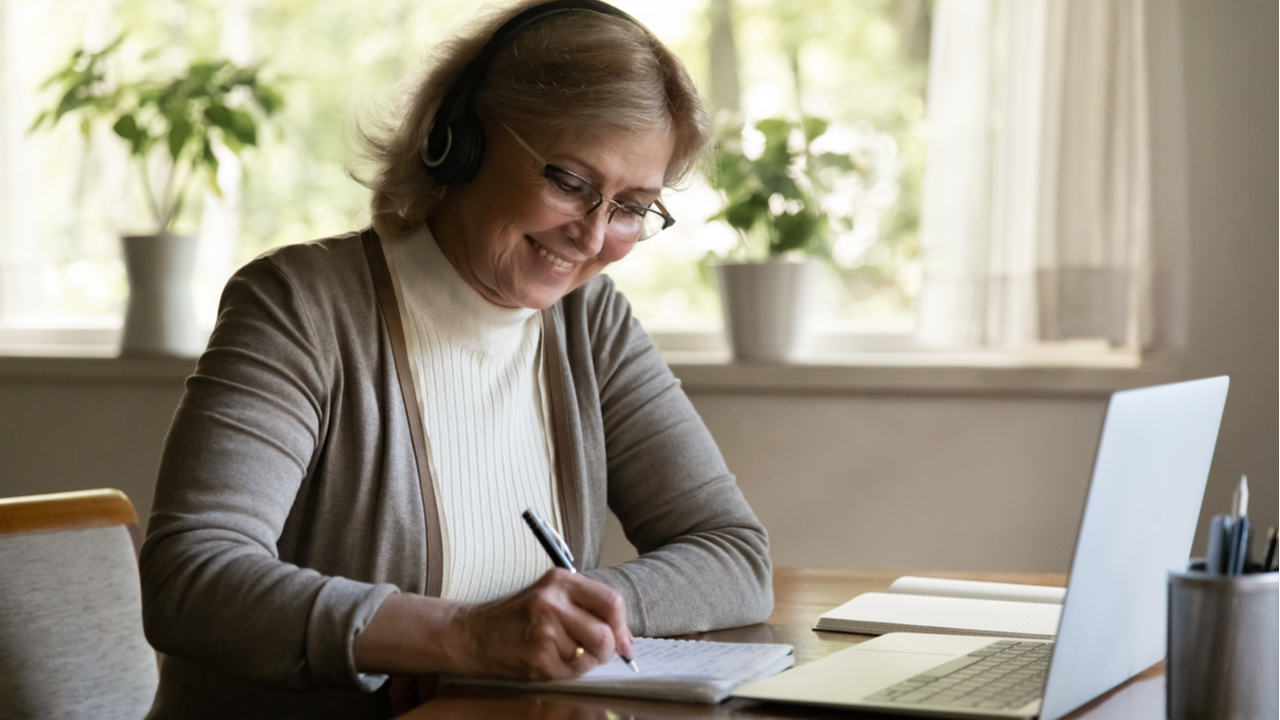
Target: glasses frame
x=548 y=168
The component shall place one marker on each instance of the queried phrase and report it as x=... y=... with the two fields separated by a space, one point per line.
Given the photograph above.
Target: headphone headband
x=455 y=141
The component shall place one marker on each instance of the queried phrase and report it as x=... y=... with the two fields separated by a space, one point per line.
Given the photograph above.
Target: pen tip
x=634 y=668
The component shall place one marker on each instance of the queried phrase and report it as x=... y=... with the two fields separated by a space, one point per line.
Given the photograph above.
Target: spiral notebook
x=676 y=670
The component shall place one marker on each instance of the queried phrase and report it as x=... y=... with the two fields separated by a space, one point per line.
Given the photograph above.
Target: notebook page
x=685 y=660
x=680 y=670
x=911 y=585
x=879 y=613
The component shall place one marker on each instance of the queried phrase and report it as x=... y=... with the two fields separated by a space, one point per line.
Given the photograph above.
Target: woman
x=340 y=493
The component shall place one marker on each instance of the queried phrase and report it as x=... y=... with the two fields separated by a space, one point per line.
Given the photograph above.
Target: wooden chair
x=71 y=641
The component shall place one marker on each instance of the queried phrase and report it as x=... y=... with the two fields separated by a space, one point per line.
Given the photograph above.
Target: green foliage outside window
x=184 y=115
x=857 y=63
x=774 y=200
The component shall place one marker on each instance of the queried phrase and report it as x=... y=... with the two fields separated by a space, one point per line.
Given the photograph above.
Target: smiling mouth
x=550 y=257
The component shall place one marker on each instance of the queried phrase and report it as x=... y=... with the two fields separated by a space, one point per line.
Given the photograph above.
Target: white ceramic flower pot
x=160 y=317
x=766 y=308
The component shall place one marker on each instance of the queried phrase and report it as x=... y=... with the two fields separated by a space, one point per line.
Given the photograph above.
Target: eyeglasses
x=571 y=194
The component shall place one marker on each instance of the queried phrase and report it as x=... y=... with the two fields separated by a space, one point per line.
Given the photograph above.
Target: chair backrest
x=71 y=640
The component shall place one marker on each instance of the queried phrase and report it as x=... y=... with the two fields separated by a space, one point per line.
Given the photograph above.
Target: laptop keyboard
x=1004 y=675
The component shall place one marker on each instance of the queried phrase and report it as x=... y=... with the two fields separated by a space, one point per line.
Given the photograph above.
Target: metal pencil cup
x=1222 y=660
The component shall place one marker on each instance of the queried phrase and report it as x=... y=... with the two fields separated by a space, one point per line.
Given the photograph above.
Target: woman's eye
x=634 y=211
x=567 y=184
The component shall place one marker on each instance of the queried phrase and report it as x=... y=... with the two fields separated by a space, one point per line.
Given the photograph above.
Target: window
x=1055 y=198
x=860 y=65
x=65 y=199
x=864 y=65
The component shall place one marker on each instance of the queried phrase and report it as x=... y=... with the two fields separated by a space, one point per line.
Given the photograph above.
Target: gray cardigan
x=288 y=503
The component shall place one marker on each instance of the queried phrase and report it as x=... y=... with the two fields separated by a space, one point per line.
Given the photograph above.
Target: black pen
x=1270 y=558
x=560 y=555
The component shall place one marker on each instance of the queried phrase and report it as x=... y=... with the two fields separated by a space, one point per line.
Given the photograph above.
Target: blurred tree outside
x=863 y=67
x=860 y=64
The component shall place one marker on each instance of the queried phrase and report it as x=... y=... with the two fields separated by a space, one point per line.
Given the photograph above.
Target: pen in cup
x=1269 y=559
x=560 y=555
x=1229 y=538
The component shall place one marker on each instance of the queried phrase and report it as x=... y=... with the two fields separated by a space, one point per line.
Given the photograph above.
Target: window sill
x=910 y=373
x=865 y=373
x=703 y=366
x=95 y=370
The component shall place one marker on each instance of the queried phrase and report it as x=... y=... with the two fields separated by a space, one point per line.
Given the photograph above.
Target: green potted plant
x=172 y=126
x=774 y=202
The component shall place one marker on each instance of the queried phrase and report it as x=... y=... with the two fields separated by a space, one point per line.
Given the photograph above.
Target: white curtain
x=1054 y=199
x=19 y=260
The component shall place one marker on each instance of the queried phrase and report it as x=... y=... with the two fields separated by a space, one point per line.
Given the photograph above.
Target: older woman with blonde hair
x=341 y=491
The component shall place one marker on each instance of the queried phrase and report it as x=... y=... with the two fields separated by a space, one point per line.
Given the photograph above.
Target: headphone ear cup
x=465 y=149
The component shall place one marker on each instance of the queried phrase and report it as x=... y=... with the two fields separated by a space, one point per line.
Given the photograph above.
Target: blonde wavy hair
x=573 y=72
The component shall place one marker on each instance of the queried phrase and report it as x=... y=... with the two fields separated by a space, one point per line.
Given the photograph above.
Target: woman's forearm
x=410 y=635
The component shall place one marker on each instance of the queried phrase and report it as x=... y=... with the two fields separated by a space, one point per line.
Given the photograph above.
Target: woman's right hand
x=535 y=633
x=532 y=634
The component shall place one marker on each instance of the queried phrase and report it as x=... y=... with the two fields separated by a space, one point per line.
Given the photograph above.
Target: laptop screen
x=1139 y=521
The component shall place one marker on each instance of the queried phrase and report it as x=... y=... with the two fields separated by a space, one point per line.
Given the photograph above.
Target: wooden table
x=800 y=596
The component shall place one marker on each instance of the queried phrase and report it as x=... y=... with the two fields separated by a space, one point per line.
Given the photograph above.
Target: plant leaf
x=40 y=120
x=243 y=127
x=745 y=212
x=179 y=133
x=732 y=170
x=814 y=128
x=210 y=162
x=220 y=115
x=126 y=127
x=794 y=232
x=70 y=101
x=833 y=160
x=268 y=99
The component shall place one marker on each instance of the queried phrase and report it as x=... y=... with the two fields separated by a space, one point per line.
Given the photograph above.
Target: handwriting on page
x=684 y=660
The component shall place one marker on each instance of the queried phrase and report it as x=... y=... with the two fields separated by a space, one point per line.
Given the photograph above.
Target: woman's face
x=506 y=242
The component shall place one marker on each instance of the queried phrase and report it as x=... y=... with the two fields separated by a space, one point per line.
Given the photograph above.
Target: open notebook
x=678 y=670
x=954 y=607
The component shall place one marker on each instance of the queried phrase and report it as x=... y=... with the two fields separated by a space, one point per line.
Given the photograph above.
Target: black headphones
x=455 y=142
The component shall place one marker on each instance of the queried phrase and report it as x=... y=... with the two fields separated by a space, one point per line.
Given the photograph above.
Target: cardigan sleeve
x=704 y=556
x=215 y=590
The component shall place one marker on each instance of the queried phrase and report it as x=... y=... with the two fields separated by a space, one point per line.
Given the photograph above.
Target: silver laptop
x=1139 y=519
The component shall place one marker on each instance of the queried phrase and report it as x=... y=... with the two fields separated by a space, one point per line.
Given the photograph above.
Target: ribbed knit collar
x=432 y=286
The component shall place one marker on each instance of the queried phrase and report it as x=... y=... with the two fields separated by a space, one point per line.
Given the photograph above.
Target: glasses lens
x=654 y=223
x=569 y=193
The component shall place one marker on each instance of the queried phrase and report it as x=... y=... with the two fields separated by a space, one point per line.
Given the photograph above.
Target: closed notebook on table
x=953 y=607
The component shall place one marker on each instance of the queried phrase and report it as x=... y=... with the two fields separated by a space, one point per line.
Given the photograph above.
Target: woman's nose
x=589 y=235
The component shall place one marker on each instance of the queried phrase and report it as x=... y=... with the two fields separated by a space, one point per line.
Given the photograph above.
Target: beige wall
x=961 y=483
x=1230 y=52
x=912 y=479
x=57 y=436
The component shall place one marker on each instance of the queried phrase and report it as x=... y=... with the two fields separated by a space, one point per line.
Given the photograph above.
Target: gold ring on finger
x=579 y=652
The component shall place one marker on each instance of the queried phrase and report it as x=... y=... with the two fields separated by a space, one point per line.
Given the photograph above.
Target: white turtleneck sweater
x=478 y=372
